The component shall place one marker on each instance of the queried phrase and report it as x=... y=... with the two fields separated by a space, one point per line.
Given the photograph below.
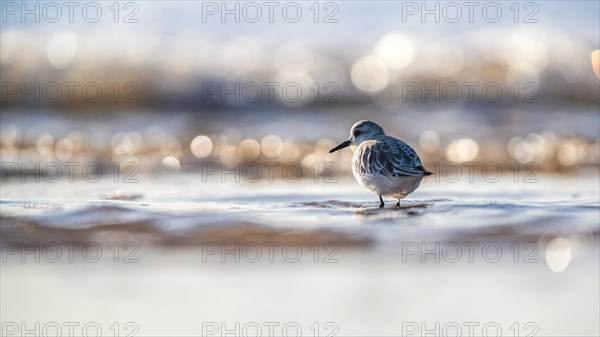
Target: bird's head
x=361 y=131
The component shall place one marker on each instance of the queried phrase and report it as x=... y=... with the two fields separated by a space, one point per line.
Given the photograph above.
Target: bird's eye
x=356 y=133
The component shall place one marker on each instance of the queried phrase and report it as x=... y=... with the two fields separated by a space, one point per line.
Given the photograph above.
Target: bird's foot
x=381 y=204
x=398 y=203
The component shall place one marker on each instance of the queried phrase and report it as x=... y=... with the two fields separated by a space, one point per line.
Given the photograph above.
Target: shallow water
x=169 y=205
x=515 y=258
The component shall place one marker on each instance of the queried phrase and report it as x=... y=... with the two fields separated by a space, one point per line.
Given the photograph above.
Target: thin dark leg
x=398 y=203
x=381 y=204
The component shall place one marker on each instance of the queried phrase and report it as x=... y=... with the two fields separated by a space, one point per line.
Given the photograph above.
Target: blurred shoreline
x=561 y=139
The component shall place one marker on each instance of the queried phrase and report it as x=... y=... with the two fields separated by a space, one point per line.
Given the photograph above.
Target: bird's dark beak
x=341 y=146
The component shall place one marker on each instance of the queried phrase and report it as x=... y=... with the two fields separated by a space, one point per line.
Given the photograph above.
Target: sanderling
x=382 y=164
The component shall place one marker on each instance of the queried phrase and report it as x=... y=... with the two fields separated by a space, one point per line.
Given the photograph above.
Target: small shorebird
x=382 y=164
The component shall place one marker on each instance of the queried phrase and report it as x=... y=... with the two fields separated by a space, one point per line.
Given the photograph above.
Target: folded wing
x=392 y=159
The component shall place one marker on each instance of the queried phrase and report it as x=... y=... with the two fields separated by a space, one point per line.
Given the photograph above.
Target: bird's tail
x=425 y=173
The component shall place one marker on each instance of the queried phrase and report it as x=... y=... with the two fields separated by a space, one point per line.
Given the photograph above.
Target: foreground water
x=170 y=255
x=178 y=209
